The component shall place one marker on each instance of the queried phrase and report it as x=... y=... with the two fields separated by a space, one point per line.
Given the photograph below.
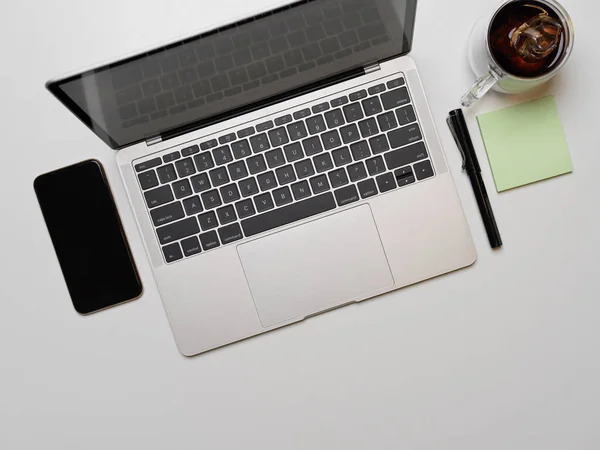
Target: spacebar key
x=288 y=214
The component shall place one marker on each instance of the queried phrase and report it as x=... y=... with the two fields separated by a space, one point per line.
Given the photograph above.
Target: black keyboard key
x=342 y=157
x=347 y=195
x=405 y=135
x=237 y=170
x=166 y=174
x=282 y=196
x=264 y=202
x=228 y=138
x=339 y=101
x=264 y=126
x=335 y=118
x=423 y=170
x=204 y=161
x=368 y=128
x=230 y=193
x=360 y=150
x=226 y=215
x=209 y=240
x=358 y=95
x=275 y=158
x=293 y=152
x=219 y=176
x=260 y=143
x=321 y=107
x=319 y=184
x=178 y=230
x=209 y=144
x=312 y=145
x=248 y=187
x=394 y=99
x=406 y=115
x=338 y=178
x=297 y=130
x=302 y=114
x=230 y=233
x=191 y=246
x=267 y=181
x=404 y=176
x=189 y=151
x=379 y=144
x=316 y=124
x=286 y=175
x=367 y=188
x=376 y=166
x=148 y=180
x=241 y=149
x=167 y=214
x=395 y=83
x=372 y=106
x=377 y=89
x=283 y=120
x=323 y=163
x=192 y=205
x=304 y=169
x=208 y=221
x=159 y=196
x=185 y=167
x=211 y=199
x=146 y=165
x=350 y=133
x=331 y=140
x=172 y=252
x=200 y=183
x=353 y=112
x=245 y=132
x=256 y=164
x=182 y=189
x=245 y=208
x=387 y=121
x=301 y=190
x=357 y=172
x=222 y=155
x=171 y=157
x=386 y=182
x=278 y=137
x=405 y=156
x=289 y=214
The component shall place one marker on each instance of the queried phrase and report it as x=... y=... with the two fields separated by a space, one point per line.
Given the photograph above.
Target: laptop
x=280 y=166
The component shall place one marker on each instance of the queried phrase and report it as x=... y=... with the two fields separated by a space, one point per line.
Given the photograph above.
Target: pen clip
x=458 y=143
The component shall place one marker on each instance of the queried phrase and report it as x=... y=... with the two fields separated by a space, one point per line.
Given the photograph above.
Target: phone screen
x=88 y=237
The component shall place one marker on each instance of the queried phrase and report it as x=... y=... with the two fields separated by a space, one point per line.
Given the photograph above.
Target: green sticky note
x=525 y=143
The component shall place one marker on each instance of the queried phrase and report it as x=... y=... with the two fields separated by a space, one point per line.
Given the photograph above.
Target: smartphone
x=88 y=236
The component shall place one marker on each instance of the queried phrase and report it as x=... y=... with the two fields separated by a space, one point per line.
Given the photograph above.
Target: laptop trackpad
x=317 y=266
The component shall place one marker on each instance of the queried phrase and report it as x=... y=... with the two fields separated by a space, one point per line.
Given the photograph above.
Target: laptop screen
x=224 y=70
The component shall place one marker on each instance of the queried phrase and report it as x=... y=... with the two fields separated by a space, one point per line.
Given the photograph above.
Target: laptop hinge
x=153 y=140
x=374 y=67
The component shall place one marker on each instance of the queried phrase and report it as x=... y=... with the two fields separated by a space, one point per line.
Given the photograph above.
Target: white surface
x=501 y=355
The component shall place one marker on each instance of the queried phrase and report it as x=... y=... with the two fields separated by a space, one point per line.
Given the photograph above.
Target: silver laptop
x=279 y=167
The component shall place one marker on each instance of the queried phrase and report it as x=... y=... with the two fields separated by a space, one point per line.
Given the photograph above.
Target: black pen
x=458 y=127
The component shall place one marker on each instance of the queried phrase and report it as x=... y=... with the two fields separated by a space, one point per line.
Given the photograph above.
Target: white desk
x=503 y=355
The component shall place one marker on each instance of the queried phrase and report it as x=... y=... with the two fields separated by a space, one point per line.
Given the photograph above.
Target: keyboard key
x=209 y=144
x=395 y=83
x=405 y=156
x=286 y=175
x=204 y=161
x=167 y=214
x=166 y=174
x=264 y=202
x=335 y=118
x=182 y=189
x=321 y=107
x=209 y=240
x=386 y=182
x=342 y=157
x=346 y=195
x=395 y=98
x=387 y=121
x=312 y=145
x=178 y=230
x=256 y=164
x=230 y=193
x=200 y=183
x=323 y=163
x=302 y=114
x=211 y=199
x=350 y=133
x=185 y=167
x=293 y=152
x=406 y=115
x=264 y=126
x=297 y=131
x=379 y=144
x=245 y=132
x=423 y=170
x=219 y=176
x=376 y=166
x=226 y=215
x=241 y=149
x=172 y=252
x=260 y=143
x=405 y=135
x=283 y=120
x=278 y=137
x=360 y=150
x=368 y=128
x=353 y=112
x=367 y=188
x=358 y=95
x=228 y=138
x=148 y=180
x=304 y=168
x=237 y=170
x=245 y=208
x=338 y=178
x=377 y=89
x=230 y=233
x=248 y=187
x=339 y=101
x=192 y=205
x=267 y=181
x=190 y=151
x=159 y=196
x=171 y=157
x=282 y=196
x=289 y=214
x=208 y=221
x=357 y=172
x=316 y=124
x=301 y=190
x=331 y=140
x=319 y=184
x=372 y=106
x=191 y=246
x=222 y=155
x=275 y=158
x=148 y=165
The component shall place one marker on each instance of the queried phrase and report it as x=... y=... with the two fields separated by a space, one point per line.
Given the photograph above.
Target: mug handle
x=480 y=88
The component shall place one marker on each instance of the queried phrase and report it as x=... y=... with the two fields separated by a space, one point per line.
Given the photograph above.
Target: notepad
x=525 y=143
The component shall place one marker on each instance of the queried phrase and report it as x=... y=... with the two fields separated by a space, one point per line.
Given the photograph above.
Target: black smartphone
x=88 y=236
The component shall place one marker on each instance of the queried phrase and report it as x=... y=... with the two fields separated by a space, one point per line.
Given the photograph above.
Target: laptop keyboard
x=284 y=169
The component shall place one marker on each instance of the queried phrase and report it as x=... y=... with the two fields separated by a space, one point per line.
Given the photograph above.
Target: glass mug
x=533 y=39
